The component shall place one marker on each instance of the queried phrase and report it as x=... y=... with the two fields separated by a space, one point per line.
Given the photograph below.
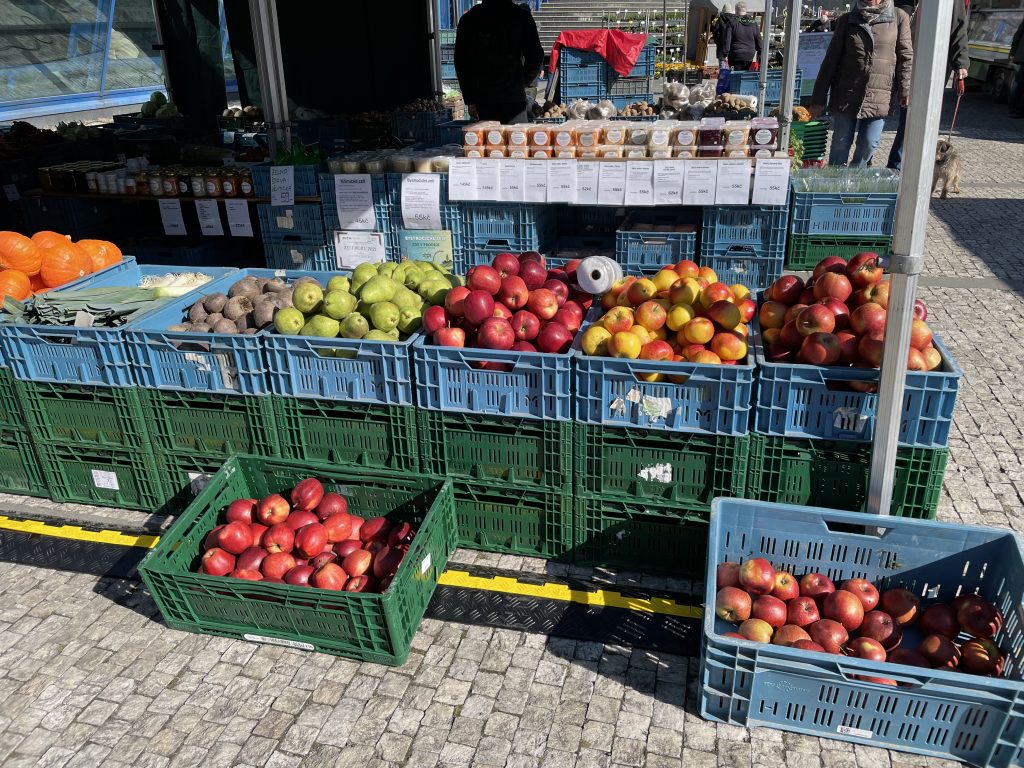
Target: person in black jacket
x=956 y=61
x=497 y=54
x=719 y=25
x=742 y=40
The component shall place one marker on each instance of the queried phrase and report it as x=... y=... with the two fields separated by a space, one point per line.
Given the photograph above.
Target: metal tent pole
x=789 y=66
x=271 y=69
x=930 y=49
x=766 y=45
x=435 y=51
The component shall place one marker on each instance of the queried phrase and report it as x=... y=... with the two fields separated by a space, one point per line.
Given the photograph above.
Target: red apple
x=532 y=256
x=506 y=264
x=329 y=576
x=829 y=634
x=251 y=559
x=979 y=618
x=543 y=303
x=747 y=310
x=786 y=289
x=357 y=524
x=794 y=312
x=402 y=533
x=478 y=306
x=310 y=540
x=817 y=318
x=331 y=504
x=866 y=648
x=982 y=657
x=525 y=325
x=277 y=564
x=844 y=607
x=908 y=657
x=257 y=530
x=939 y=620
x=455 y=301
x=807 y=295
x=246 y=575
x=808 y=645
x=496 y=333
x=434 y=319
x=848 y=347
x=790 y=337
x=554 y=338
x=211 y=538
x=902 y=604
x=727 y=575
x=772 y=315
x=790 y=634
x=863 y=270
x=920 y=335
x=241 y=511
x=819 y=349
x=733 y=605
x=483 y=278
x=279 y=538
x=757 y=576
x=325 y=557
x=533 y=274
x=560 y=289
x=300 y=518
x=523 y=346
x=870 y=351
x=840 y=310
x=338 y=527
x=357 y=563
x=880 y=626
x=920 y=310
x=940 y=652
x=217 y=562
x=570 y=318
x=786 y=586
x=816 y=586
x=307 y=494
x=802 y=612
x=374 y=529
x=234 y=538
x=345 y=548
x=769 y=609
x=513 y=292
x=273 y=509
x=386 y=562
x=450 y=337
x=864 y=590
x=868 y=319
x=757 y=630
x=299 y=575
x=829 y=265
x=359 y=584
x=831 y=284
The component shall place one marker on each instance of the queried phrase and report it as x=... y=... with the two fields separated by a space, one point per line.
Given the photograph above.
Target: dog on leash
x=948 y=165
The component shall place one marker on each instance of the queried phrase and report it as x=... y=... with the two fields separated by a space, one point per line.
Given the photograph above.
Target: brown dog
x=947 y=169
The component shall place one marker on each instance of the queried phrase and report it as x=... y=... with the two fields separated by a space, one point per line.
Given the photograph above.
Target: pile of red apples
x=837 y=317
x=516 y=303
x=310 y=540
x=853 y=619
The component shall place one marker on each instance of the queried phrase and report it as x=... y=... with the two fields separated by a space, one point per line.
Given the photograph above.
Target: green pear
x=321 y=326
x=364 y=272
x=339 y=283
x=435 y=292
x=306 y=297
x=339 y=304
x=410 y=321
x=393 y=335
x=405 y=298
x=354 y=326
x=384 y=315
x=289 y=321
x=377 y=289
x=376 y=335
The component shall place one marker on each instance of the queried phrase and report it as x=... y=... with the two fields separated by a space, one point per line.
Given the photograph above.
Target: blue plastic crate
x=706 y=399
x=749 y=84
x=848 y=214
x=795 y=400
x=931 y=712
x=637 y=248
x=569 y=58
x=757 y=225
x=522 y=227
x=419 y=127
x=756 y=267
x=305 y=180
x=296 y=256
x=301 y=223
x=451 y=131
x=70 y=355
x=450 y=379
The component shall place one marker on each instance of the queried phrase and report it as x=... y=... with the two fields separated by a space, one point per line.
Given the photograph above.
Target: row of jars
x=193 y=182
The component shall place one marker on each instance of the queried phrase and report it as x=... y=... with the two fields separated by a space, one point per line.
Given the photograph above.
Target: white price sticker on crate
x=279 y=641
x=425 y=563
x=106 y=480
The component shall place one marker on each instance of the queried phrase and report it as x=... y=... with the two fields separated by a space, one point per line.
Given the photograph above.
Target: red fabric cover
x=619 y=49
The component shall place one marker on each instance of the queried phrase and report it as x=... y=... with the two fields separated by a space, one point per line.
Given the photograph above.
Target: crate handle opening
x=853 y=199
x=748 y=250
x=856 y=675
x=872 y=532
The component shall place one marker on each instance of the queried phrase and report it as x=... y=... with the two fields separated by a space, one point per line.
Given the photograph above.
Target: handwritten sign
x=282 y=185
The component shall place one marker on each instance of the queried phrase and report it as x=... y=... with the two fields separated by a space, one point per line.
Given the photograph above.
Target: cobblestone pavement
x=89 y=676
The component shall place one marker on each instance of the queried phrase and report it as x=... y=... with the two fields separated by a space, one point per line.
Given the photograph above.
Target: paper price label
x=279 y=641
x=209 y=218
x=561 y=181
x=771 y=181
x=105 y=480
x=587 y=179
x=282 y=185
x=732 y=185
x=354 y=248
x=512 y=180
x=488 y=179
x=171 y=218
x=421 y=201
x=353 y=199
x=639 y=182
x=611 y=184
x=699 y=180
x=462 y=179
x=668 y=182
x=239 y=224
x=536 y=181
x=425 y=563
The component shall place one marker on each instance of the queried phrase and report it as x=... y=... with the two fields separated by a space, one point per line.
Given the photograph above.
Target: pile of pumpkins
x=31 y=265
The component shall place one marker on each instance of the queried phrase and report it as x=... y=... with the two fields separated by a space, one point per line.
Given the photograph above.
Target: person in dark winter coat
x=719 y=26
x=956 y=60
x=1017 y=57
x=497 y=54
x=866 y=67
x=742 y=40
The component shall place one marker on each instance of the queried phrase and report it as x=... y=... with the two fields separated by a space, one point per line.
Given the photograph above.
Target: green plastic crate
x=514 y=520
x=210 y=424
x=834 y=475
x=640 y=537
x=683 y=469
x=378 y=438
x=183 y=476
x=805 y=251
x=814 y=135
x=11 y=415
x=532 y=453
x=20 y=471
x=92 y=417
x=371 y=627
x=108 y=478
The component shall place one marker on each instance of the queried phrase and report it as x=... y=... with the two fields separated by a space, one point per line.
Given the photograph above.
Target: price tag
x=421 y=201
x=462 y=179
x=170 y=215
x=699 y=178
x=425 y=563
x=239 y=224
x=354 y=248
x=668 y=182
x=282 y=185
x=639 y=182
x=11 y=190
x=536 y=181
x=353 y=198
x=512 y=180
x=562 y=181
x=107 y=480
x=488 y=179
x=732 y=187
x=611 y=189
x=209 y=218
x=587 y=173
x=771 y=181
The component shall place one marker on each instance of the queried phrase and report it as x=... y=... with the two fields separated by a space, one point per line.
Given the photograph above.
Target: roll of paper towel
x=596 y=274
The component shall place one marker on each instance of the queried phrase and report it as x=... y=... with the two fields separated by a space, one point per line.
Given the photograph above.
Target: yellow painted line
x=602 y=597
x=78 y=534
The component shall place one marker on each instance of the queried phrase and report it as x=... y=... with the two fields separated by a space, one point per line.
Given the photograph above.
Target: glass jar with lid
x=229 y=183
x=170 y=183
x=245 y=185
x=156 y=184
x=198 y=183
x=142 y=183
x=214 y=188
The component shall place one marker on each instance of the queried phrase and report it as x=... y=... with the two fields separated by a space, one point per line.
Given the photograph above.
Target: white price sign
x=699 y=181
x=421 y=201
x=587 y=176
x=170 y=216
x=732 y=186
x=512 y=177
x=106 y=480
x=282 y=185
x=209 y=218
x=668 y=182
x=771 y=181
x=239 y=224
x=353 y=199
x=561 y=181
x=611 y=188
x=536 y=181
x=462 y=179
x=354 y=248
x=639 y=182
x=488 y=179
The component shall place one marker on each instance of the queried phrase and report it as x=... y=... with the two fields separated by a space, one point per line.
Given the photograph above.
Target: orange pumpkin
x=19 y=252
x=46 y=237
x=15 y=284
x=102 y=253
x=63 y=263
x=37 y=285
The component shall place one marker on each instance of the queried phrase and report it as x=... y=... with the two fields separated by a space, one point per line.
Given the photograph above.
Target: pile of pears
x=378 y=302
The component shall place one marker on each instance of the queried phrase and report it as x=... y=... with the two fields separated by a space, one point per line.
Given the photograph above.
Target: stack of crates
x=749 y=84
x=587 y=75
x=837 y=223
x=20 y=468
x=745 y=243
x=650 y=239
x=420 y=127
x=293 y=235
x=493 y=228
